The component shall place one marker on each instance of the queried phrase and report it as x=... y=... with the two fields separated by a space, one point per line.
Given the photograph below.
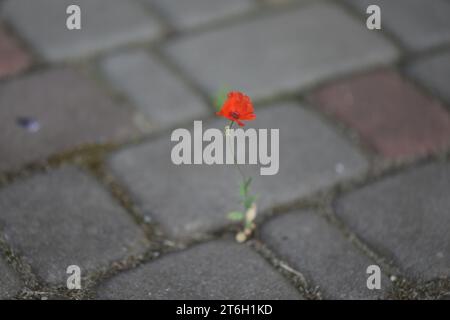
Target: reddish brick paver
x=13 y=59
x=389 y=113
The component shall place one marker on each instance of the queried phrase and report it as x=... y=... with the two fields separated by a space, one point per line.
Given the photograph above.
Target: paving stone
x=52 y=111
x=419 y=24
x=406 y=218
x=434 y=73
x=9 y=281
x=280 y=52
x=390 y=114
x=187 y=199
x=154 y=88
x=276 y=2
x=220 y=269
x=13 y=59
x=104 y=24
x=192 y=13
x=322 y=254
x=66 y=218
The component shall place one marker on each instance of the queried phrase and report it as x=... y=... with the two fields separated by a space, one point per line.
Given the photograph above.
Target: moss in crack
x=292 y=275
x=430 y=290
x=23 y=270
x=97 y=167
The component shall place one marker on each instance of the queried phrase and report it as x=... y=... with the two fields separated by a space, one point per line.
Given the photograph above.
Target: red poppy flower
x=237 y=107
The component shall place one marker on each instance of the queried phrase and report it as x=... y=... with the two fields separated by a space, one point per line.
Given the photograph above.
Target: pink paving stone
x=390 y=114
x=13 y=58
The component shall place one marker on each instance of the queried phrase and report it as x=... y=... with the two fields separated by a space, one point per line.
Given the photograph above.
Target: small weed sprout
x=236 y=107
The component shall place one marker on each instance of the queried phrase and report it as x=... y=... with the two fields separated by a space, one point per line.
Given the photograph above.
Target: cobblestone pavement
x=85 y=171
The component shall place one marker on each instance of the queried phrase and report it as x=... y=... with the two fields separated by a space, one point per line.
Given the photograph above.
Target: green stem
x=244 y=179
x=234 y=156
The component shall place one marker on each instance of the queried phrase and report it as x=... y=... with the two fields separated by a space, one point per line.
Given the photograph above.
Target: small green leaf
x=242 y=190
x=244 y=187
x=248 y=202
x=247 y=183
x=220 y=98
x=236 y=216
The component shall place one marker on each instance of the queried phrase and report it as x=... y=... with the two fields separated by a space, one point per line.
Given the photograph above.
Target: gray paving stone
x=153 y=88
x=192 y=13
x=52 y=111
x=419 y=24
x=322 y=254
x=280 y=2
x=434 y=73
x=65 y=218
x=406 y=218
x=9 y=281
x=195 y=198
x=280 y=52
x=216 y=270
x=104 y=24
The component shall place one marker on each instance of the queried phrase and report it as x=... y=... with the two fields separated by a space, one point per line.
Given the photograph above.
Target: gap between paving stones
x=296 y=278
x=97 y=168
x=166 y=33
x=91 y=158
x=172 y=31
x=261 y=11
x=153 y=47
x=403 y=71
x=22 y=269
x=146 y=25
x=406 y=56
x=36 y=59
x=404 y=287
x=354 y=12
x=322 y=201
x=166 y=62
